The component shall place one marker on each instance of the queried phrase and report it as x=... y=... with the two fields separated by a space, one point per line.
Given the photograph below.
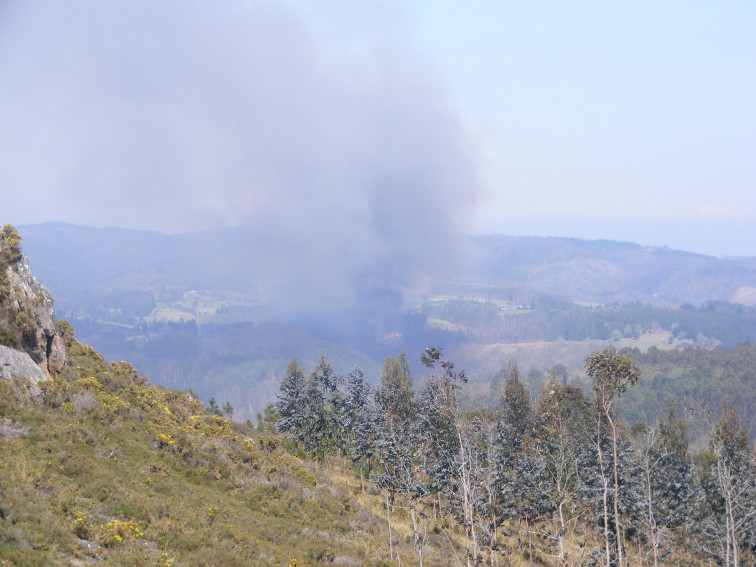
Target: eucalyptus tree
x=291 y=402
x=565 y=418
x=438 y=425
x=437 y=438
x=476 y=486
x=514 y=425
x=668 y=483
x=731 y=483
x=618 y=519
x=357 y=420
x=398 y=457
x=613 y=373
x=456 y=451
x=474 y=494
x=530 y=490
x=326 y=408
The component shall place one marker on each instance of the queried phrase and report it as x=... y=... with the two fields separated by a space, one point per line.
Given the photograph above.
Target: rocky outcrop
x=46 y=347
x=17 y=365
x=27 y=318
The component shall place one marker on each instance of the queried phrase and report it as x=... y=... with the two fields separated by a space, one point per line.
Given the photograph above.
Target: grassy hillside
x=111 y=467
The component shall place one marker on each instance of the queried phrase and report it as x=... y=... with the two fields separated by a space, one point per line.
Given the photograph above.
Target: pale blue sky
x=621 y=120
x=626 y=120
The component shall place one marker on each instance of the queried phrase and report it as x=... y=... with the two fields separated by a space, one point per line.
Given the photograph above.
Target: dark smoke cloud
x=341 y=151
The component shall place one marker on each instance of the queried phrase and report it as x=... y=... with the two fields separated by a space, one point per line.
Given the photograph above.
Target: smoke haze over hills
x=183 y=116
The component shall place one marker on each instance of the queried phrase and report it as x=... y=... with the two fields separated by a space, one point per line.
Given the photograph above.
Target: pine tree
x=267 y=420
x=314 y=430
x=291 y=404
x=395 y=395
x=515 y=406
x=357 y=420
x=212 y=407
x=228 y=409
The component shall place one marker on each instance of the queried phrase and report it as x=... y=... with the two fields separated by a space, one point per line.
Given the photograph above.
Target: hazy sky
x=381 y=124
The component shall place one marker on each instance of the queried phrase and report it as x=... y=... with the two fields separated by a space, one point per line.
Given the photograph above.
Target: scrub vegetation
x=109 y=466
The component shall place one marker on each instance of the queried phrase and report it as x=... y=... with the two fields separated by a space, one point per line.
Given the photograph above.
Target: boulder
x=19 y=365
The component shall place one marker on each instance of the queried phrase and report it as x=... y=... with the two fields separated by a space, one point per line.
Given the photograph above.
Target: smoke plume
x=327 y=134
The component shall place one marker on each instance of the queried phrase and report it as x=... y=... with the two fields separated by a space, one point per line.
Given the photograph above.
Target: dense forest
x=245 y=360
x=700 y=381
x=562 y=480
x=549 y=318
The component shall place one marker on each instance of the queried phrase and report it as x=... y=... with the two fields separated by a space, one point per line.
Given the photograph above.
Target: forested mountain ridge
x=605 y=271
x=101 y=261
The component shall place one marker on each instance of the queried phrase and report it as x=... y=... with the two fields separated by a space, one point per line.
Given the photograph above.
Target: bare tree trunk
x=651 y=518
x=418 y=543
x=724 y=479
x=494 y=528
x=731 y=538
x=727 y=540
x=562 y=531
x=605 y=482
x=530 y=546
x=616 y=489
x=388 y=518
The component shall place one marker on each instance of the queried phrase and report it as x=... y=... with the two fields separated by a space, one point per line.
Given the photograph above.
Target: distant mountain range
x=81 y=264
x=604 y=271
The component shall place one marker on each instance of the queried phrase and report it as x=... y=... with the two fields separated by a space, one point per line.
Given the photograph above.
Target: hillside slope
x=97 y=464
x=112 y=467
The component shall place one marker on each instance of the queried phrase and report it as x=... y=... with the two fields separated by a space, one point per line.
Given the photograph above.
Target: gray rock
x=17 y=364
x=26 y=294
